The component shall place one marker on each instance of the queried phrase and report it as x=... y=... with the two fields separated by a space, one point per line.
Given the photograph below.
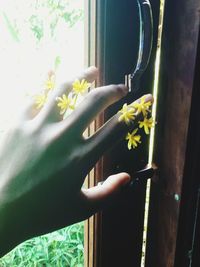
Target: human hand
x=44 y=162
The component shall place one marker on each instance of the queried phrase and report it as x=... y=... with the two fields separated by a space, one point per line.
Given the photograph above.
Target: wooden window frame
x=91 y=232
x=105 y=43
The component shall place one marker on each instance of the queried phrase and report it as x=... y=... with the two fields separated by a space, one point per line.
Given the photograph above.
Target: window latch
x=145 y=45
x=148 y=172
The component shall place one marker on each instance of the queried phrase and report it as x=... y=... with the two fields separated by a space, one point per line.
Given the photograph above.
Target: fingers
x=28 y=110
x=96 y=101
x=103 y=195
x=109 y=134
x=50 y=110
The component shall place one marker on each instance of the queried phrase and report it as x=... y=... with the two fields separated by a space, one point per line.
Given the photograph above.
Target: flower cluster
x=67 y=102
x=49 y=85
x=128 y=114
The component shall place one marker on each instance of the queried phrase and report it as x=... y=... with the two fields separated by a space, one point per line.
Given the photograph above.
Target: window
x=41 y=42
x=115 y=236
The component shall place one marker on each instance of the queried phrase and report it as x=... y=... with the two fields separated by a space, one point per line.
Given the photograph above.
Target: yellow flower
x=50 y=82
x=127 y=114
x=40 y=100
x=49 y=85
x=147 y=124
x=80 y=87
x=133 y=139
x=142 y=106
x=64 y=103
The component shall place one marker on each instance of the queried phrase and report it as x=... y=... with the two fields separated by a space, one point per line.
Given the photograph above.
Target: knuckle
x=112 y=88
x=104 y=94
x=98 y=95
x=117 y=89
x=121 y=89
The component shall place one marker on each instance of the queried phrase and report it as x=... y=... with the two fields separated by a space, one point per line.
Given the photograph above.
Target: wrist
x=10 y=232
x=4 y=232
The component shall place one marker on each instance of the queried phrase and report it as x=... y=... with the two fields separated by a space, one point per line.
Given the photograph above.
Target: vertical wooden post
x=188 y=241
x=181 y=29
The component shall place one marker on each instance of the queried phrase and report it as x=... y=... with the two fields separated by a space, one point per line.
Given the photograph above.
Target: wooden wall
x=178 y=66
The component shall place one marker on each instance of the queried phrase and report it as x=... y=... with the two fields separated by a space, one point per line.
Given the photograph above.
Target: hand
x=44 y=162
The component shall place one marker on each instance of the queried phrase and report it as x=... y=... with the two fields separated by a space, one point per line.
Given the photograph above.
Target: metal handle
x=145 y=44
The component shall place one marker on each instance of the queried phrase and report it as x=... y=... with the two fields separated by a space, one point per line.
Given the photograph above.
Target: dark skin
x=44 y=162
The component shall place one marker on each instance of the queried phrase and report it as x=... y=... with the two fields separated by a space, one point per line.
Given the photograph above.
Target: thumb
x=100 y=196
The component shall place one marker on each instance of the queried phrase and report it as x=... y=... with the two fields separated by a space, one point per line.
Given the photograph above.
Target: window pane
x=40 y=41
x=37 y=37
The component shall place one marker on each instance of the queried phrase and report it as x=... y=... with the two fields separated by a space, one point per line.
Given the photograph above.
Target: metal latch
x=145 y=45
x=149 y=172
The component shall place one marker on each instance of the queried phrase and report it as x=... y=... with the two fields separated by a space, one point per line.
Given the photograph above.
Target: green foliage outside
x=55 y=10
x=63 y=248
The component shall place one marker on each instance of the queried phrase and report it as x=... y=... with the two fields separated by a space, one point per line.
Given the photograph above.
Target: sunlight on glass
x=152 y=133
x=41 y=43
x=37 y=37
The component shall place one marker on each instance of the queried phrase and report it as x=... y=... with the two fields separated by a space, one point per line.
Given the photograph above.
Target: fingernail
x=148 y=97
x=92 y=68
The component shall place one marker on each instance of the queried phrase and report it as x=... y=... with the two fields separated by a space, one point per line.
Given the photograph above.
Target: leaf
x=11 y=28
x=36 y=26
x=57 y=62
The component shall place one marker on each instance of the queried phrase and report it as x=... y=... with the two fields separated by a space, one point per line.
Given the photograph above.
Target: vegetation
x=63 y=248
x=44 y=18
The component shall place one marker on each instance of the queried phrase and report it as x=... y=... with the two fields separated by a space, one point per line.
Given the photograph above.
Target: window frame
x=108 y=42
x=115 y=59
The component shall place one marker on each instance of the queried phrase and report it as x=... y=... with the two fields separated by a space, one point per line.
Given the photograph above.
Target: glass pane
x=41 y=42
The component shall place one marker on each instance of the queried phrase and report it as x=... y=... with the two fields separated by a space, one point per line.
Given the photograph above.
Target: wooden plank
x=91 y=236
x=188 y=242
x=181 y=28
